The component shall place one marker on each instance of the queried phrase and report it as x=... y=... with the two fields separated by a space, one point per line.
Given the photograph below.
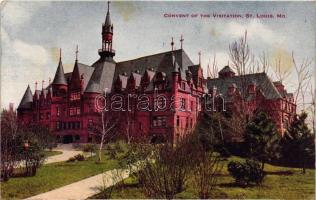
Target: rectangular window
x=159 y=121
x=78 y=111
x=192 y=105
x=178 y=121
x=58 y=111
x=90 y=123
x=187 y=122
x=182 y=103
x=47 y=115
x=75 y=96
x=57 y=125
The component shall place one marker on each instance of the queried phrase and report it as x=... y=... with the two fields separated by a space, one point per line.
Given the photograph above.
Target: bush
x=247 y=173
x=71 y=159
x=79 y=157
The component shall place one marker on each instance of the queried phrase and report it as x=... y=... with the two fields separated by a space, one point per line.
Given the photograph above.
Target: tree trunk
x=262 y=165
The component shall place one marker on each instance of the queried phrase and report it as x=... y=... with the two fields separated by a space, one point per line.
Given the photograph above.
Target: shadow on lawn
x=281 y=173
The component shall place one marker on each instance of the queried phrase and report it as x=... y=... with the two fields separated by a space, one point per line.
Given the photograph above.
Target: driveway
x=67 y=150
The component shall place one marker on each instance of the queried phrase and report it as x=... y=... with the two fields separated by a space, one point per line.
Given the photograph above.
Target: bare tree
x=280 y=73
x=239 y=53
x=212 y=71
x=303 y=75
x=205 y=172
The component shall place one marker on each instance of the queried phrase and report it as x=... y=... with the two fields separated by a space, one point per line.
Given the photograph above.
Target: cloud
x=255 y=31
x=18 y=13
x=35 y=54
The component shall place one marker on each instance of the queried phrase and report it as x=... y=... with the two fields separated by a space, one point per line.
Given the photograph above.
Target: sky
x=33 y=32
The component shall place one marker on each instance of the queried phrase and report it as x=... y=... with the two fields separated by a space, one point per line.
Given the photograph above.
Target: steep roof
x=261 y=80
x=27 y=99
x=162 y=62
x=60 y=75
x=102 y=76
x=226 y=69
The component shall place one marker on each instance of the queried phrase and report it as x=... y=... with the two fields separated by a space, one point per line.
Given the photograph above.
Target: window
x=58 y=111
x=77 y=137
x=78 y=111
x=183 y=85
x=182 y=103
x=41 y=116
x=159 y=121
x=178 y=121
x=140 y=126
x=192 y=105
x=90 y=123
x=74 y=111
x=191 y=124
x=58 y=125
x=47 y=115
x=75 y=96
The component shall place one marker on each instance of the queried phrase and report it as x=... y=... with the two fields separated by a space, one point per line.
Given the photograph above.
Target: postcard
x=158 y=99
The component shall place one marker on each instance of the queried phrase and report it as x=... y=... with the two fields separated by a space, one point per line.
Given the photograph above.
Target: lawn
x=53 y=176
x=52 y=153
x=280 y=182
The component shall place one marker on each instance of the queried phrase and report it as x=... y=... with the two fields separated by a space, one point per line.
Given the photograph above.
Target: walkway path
x=67 y=152
x=84 y=188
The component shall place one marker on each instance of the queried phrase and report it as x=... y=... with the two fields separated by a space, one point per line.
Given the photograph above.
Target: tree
x=262 y=139
x=9 y=143
x=299 y=142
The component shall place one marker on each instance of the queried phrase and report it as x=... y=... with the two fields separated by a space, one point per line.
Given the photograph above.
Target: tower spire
x=107 y=36
x=77 y=53
x=200 y=58
x=59 y=54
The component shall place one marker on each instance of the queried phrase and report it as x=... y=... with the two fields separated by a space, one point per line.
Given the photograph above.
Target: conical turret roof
x=60 y=75
x=26 y=102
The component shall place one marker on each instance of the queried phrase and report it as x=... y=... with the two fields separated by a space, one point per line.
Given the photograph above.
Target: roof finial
x=35 y=86
x=59 y=54
x=181 y=41
x=77 y=53
x=172 y=43
x=200 y=58
x=108 y=6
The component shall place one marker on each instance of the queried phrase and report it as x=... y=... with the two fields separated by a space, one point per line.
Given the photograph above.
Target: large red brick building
x=157 y=96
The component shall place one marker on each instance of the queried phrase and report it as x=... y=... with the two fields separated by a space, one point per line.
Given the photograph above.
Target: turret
x=27 y=99
x=107 y=52
x=59 y=83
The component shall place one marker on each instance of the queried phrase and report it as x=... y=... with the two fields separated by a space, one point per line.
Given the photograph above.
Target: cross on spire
x=181 y=41
x=77 y=53
x=172 y=43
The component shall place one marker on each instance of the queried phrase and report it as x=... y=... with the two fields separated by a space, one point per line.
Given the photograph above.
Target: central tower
x=107 y=37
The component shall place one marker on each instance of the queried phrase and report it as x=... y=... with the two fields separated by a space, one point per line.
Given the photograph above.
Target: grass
x=52 y=153
x=51 y=176
x=280 y=183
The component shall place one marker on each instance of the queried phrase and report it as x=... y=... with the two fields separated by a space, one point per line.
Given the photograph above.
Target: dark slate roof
x=60 y=75
x=261 y=80
x=226 y=69
x=161 y=62
x=27 y=99
x=102 y=76
x=86 y=71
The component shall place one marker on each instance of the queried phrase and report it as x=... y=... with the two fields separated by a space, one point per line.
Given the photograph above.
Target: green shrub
x=247 y=173
x=79 y=157
x=71 y=159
